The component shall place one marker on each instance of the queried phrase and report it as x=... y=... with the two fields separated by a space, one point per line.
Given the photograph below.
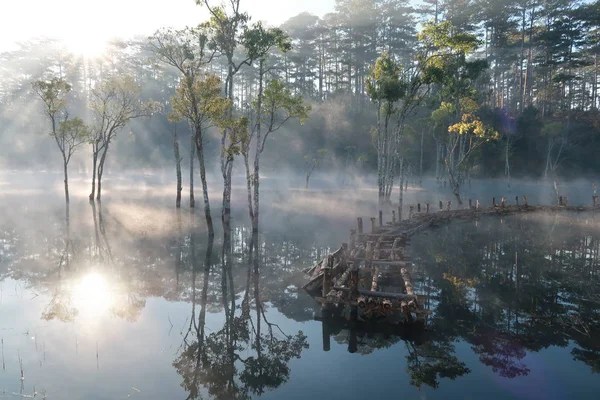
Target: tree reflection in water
x=215 y=361
x=505 y=287
x=514 y=285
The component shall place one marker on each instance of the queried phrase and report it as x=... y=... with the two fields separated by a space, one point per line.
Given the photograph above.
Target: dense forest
x=521 y=76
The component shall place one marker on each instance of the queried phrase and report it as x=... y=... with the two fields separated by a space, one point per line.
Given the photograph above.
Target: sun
x=92 y=295
x=87 y=46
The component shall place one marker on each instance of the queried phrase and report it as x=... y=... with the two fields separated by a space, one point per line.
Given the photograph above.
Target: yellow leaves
x=469 y=124
x=459 y=283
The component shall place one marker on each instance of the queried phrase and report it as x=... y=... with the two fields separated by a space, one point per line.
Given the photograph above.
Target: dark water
x=131 y=299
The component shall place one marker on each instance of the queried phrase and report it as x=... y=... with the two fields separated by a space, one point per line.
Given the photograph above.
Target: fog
x=167 y=187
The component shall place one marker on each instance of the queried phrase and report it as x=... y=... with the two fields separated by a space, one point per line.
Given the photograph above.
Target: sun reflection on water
x=92 y=295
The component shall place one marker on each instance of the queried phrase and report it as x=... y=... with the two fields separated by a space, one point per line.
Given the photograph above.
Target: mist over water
x=106 y=306
x=111 y=287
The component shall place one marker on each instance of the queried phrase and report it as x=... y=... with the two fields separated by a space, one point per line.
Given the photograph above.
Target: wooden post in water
x=594 y=194
x=449 y=205
x=503 y=202
x=380 y=218
x=369 y=255
x=360 y=225
x=427 y=208
x=411 y=210
x=560 y=200
x=373 y=225
x=353 y=341
x=394 y=216
x=470 y=204
x=325 y=328
x=517 y=200
x=399 y=213
x=493 y=202
x=419 y=207
x=441 y=206
x=354 y=282
x=375 y=281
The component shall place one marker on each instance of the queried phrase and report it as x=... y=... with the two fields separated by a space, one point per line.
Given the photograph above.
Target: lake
x=131 y=299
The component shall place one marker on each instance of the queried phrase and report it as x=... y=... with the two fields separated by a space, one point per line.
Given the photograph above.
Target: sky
x=86 y=25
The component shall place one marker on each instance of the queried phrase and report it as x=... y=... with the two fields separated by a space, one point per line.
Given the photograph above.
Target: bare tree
x=114 y=103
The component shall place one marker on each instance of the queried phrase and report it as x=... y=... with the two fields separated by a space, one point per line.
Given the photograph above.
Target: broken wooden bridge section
x=372 y=275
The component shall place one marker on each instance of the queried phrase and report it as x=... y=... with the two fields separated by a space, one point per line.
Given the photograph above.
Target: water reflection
x=248 y=354
x=499 y=291
x=512 y=286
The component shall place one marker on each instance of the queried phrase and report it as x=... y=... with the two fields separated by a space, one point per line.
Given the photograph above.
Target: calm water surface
x=131 y=299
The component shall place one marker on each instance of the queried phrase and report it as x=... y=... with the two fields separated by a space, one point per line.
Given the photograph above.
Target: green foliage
x=185 y=49
x=384 y=83
x=279 y=100
x=53 y=93
x=258 y=41
x=200 y=102
x=75 y=129
x=237 y=130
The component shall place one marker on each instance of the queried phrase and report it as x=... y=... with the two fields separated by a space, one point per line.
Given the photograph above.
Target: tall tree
x=69 y=134
x=274 y=106
x=114 y=103
x=187 y=51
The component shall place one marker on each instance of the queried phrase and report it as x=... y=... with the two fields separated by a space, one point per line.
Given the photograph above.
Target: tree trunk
x=101 y=171
x=507 y=161
x=65 y=164
x=226 y=211
x=421 y=160
x=207 y=212
x=177 y=167
x=192 y=147
x=249 y=180
x=259 y=148
x=94 y=164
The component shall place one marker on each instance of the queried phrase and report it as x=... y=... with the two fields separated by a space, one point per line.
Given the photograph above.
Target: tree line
x=525 y=85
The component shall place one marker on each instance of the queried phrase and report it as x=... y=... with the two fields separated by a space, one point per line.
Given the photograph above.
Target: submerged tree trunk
x=256 y=182
x=177 y=167
x=202 y=167
x=226 y=211
x=101 y=171
x=455 y=186
x=507 y=161
x=192 y=147
x=401 y=187
x=94 y=166
x=65 y=165
x=249 y=180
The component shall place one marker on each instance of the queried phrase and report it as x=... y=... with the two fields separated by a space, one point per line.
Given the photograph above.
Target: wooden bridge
x=371 y=275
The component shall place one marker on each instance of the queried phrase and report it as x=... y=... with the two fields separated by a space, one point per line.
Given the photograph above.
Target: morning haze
x=328 y=199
